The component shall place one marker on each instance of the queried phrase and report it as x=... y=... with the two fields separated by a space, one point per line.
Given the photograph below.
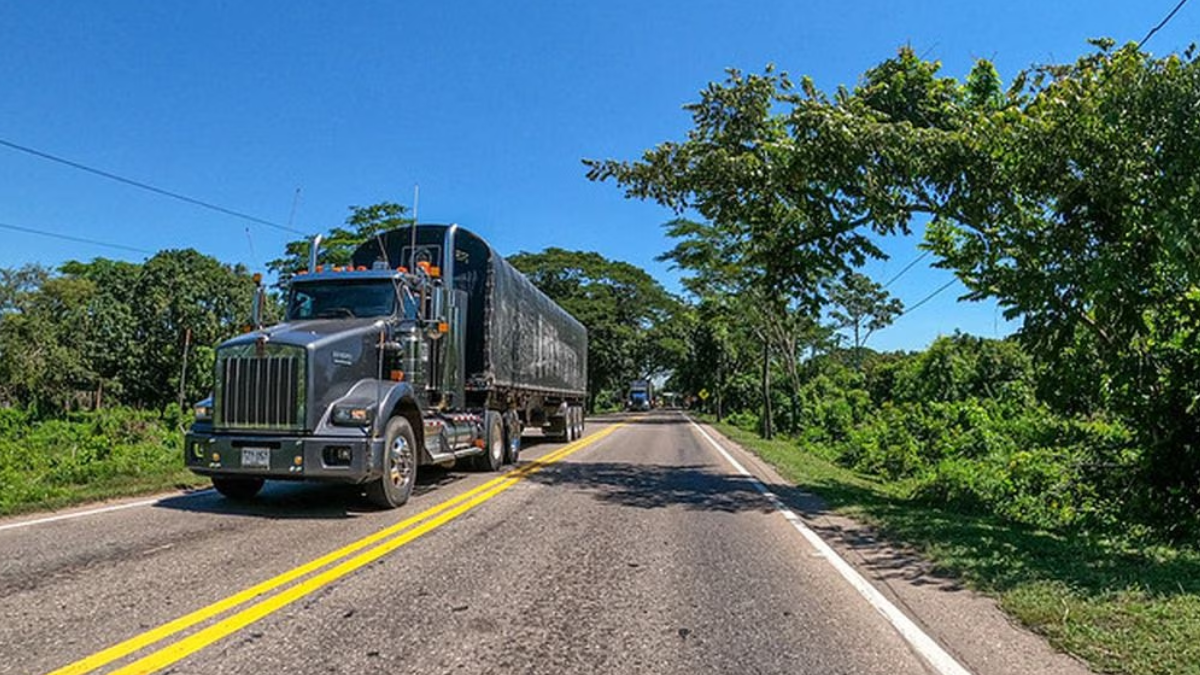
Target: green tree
x=110 y=339
x=184 y=303
x=1080 y=217
x=861 y=306
x=764 y=236
x=15 y=282
x=44 y=362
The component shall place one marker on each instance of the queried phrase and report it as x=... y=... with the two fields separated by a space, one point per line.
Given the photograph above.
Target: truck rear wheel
x=399 y=466
x=568 y=432
x=493 y=443
x=237 y=489
x=579 y=423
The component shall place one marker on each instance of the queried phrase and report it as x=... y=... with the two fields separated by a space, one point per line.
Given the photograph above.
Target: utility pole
x=768 y=426
x=187 y=342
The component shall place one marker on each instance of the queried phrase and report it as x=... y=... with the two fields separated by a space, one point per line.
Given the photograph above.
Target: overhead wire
x=927 y=298
x=1163 y=23
x=906 y=268
x=146 y=186
x=67 y=237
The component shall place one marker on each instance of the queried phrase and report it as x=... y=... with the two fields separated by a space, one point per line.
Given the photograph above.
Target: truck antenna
x=295 y=203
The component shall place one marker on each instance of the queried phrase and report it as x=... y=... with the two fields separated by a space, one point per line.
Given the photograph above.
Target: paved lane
x=640 y=550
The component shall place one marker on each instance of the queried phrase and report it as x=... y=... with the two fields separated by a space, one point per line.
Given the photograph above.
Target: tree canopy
x=1069 y=198
x=105 y=331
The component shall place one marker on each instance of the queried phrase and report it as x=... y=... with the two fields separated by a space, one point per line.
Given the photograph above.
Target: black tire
x=580 y=424
x=393 y=488
x=238 y=489
x=568 y=425
x=493 y=443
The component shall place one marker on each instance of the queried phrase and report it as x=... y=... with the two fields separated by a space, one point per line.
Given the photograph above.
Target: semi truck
x=429 y=348
x=641 y=395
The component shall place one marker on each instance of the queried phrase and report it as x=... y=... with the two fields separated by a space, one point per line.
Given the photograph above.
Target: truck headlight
x=203 y=410
x=349 y=415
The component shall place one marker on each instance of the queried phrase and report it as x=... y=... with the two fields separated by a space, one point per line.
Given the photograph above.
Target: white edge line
x=927 y=647
x=90 y=512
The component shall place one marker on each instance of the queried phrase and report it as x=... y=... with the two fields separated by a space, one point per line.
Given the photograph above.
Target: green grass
x=85 y=457
x=1120 y=606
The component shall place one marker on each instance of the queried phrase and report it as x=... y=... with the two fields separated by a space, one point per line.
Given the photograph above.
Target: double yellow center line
x=351 y=557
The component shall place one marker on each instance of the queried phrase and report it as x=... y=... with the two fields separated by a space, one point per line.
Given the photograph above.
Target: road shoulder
x=968 y=625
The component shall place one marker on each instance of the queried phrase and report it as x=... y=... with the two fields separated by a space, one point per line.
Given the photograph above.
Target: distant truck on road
x=429 y=348
x=641 y=395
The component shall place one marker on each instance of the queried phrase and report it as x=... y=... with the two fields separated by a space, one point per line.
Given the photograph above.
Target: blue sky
x=489 y=107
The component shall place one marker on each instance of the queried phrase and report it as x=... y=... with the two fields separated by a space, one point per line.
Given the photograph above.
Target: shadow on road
x=654 y=486
x=283 y=500
x=655 y=417
x=298 y=500
x=706 y=488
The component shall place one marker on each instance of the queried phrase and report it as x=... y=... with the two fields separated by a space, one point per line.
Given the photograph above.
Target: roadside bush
x=48 y=460
x=959 y=425
x=744 y=419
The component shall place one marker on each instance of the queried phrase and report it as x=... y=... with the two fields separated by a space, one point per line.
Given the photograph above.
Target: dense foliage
x=1070 y=199
x=104 y=332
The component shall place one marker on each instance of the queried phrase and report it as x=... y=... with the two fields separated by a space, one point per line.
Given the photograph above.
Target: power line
x=1163 y=23
x=906 y=268
x=67 y=237
x=927 y=298
x=148 y=187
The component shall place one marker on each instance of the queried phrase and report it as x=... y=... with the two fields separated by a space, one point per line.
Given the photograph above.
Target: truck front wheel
x=393 y=488
x=237 y=489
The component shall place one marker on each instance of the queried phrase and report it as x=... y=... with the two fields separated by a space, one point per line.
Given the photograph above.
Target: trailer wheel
x=568 y=434
x=237 y=489
x=579 y=421
x=493 y=441
x=393 y=488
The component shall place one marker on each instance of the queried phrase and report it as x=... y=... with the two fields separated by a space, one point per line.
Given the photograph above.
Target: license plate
x=256 y=458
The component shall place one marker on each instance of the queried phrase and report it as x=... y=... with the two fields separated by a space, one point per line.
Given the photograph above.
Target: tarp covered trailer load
x=517 y=340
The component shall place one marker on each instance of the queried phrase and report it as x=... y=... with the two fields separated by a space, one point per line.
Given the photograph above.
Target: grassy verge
x=1122 y=607
x=46 y=464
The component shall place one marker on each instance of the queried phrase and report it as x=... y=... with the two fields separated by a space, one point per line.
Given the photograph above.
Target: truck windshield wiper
x=336 y=311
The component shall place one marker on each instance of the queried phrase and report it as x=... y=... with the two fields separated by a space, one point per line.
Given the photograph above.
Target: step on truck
x=429 y=348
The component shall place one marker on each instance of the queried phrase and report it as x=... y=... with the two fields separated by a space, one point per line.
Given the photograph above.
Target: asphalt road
x=639 y=549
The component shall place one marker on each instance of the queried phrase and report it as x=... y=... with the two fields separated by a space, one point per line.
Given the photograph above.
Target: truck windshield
x=346 y=299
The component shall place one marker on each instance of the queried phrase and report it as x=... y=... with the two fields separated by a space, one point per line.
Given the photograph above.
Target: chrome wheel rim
x=399 y=462
x=497 y=448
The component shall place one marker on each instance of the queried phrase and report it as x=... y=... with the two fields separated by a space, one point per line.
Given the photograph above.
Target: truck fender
x=400 y=394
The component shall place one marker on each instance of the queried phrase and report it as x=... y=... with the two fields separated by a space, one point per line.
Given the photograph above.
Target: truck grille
x=260 y=392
